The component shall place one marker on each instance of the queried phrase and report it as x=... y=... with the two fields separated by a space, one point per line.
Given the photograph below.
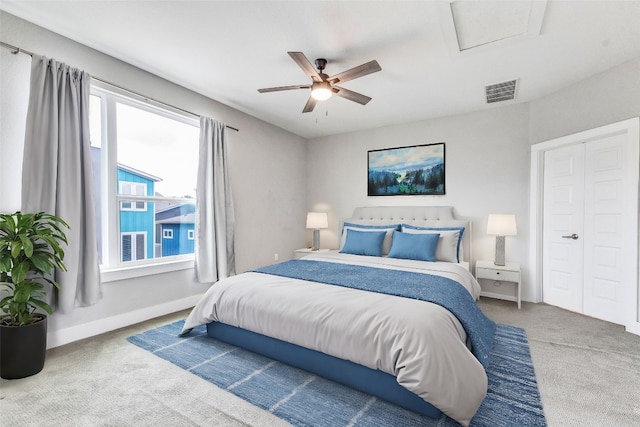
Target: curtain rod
x=16 y=50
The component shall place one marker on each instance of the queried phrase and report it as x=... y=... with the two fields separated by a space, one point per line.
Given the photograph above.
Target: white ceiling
x=226 y=50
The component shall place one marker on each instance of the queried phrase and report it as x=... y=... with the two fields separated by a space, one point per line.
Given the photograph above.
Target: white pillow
x=388 y=238
x=448 y=244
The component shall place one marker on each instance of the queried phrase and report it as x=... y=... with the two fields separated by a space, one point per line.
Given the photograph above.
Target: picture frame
x=416 y=170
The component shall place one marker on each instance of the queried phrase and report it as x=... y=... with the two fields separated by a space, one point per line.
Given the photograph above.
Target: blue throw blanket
x=427 y=287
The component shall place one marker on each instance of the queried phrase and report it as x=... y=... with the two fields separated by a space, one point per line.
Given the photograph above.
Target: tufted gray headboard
x=421 y=216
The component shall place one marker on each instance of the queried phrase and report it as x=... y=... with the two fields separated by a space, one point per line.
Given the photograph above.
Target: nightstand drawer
x=491 y=274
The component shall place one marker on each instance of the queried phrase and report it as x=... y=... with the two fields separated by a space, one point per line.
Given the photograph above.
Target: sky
x=156 y=145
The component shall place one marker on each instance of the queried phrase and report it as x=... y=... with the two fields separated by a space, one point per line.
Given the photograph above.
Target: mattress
x=421 y=343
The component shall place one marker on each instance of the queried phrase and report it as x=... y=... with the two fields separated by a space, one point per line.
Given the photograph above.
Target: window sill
x=123 y=273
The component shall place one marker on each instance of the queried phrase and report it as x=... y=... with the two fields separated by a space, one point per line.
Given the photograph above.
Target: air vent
x=501 y=91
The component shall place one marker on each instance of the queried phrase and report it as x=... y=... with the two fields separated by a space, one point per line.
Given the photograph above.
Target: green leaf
x=16 y=248
x=42 y=262
x=10 y=223
x=27 y=245
x=53 y=283
x=19 y=272
x=43 y=305
x=5 y=264
x=23 y=317
x=22 y=295
x=5 y=302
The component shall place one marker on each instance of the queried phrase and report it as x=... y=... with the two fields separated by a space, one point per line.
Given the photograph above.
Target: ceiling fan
x=323 y=86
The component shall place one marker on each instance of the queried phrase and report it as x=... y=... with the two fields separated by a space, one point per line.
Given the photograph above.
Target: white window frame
x=191 y=234
x=113 y=267
x=167 y=233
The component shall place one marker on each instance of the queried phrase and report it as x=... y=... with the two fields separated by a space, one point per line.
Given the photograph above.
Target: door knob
x=574 y=236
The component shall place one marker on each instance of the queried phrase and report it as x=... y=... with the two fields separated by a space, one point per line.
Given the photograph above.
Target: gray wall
x=270 y=205
x=608 y=97
x=487 y=171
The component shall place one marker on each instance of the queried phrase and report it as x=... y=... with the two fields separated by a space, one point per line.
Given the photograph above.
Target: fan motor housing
x=321 y=63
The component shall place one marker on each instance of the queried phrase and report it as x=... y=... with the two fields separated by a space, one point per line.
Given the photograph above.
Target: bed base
x=371 y=381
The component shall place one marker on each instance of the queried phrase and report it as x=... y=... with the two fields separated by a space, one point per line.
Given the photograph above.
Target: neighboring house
x=175 y=229
x=136 y=217
x=177 y=234
x=147 y=229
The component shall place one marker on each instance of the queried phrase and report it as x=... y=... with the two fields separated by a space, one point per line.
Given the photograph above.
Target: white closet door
x=589 y=196
x=562 y=227
x=608 y=199
x=587 y=184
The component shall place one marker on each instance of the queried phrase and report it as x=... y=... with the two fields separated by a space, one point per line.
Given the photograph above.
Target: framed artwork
x=406 y=171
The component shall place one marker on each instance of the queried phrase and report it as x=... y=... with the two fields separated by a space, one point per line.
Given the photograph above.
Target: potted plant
x=30 y=249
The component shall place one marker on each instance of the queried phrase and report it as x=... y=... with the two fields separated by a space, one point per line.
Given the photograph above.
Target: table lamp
x=501 y=225
x=316 y=221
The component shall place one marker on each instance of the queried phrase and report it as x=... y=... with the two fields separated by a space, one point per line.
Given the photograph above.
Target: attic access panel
x=473 y=24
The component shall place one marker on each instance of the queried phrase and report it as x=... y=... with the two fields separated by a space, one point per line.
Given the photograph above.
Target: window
x=145 y=161
x=190 y=235
x=133 y=246
x=135 y=189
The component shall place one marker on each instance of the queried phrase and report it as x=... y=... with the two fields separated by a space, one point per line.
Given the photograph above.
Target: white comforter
x=420 y=343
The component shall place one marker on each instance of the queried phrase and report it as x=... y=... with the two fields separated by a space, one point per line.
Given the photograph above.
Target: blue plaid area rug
x=304 y=399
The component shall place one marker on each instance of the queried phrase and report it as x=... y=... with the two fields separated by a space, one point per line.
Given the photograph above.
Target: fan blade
x=351 y=95
x=354 y=73
x=306 y=66
x=310 y=105
x=275 y=89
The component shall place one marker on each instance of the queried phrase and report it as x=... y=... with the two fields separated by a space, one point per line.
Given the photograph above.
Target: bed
x=365 y=316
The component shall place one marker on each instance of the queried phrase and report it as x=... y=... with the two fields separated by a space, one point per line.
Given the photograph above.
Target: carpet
x=304 y=399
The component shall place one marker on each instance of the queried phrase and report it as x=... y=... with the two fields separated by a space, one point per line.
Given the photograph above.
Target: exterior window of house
x=133 y=246
x=145 y=161
x=135 y=189
x=190 y=235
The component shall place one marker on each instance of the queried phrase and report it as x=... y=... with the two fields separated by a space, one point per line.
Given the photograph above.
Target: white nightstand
x=495 y=276
x=299 y=253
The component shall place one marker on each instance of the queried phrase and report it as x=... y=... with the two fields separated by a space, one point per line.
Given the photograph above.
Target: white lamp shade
x=501 y=225
x=317 y=220
x=321 y=91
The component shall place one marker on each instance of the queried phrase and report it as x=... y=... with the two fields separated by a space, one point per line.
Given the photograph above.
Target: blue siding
x=139 y=221
x=180 y=243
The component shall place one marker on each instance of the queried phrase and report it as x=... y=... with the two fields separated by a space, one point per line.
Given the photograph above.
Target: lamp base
x=316 y=240
x=499 y=257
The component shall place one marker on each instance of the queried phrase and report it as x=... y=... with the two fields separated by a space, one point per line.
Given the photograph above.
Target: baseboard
x=97 y=327
x=633 y=328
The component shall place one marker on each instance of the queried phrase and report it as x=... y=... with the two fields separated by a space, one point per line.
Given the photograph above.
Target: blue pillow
x=446 y=256
x=389 y=228
x=421 y=247
x=363 y=242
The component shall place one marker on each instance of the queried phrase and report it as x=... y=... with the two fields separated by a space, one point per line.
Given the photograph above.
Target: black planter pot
x=22 y=349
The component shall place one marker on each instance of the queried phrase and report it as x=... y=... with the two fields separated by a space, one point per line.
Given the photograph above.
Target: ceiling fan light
x=321 y=91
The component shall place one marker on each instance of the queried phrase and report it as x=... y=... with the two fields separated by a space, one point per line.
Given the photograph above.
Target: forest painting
x=415 y=170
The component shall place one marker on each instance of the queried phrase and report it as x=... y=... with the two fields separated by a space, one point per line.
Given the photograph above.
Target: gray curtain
x=214 y=249
x=57 y=176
